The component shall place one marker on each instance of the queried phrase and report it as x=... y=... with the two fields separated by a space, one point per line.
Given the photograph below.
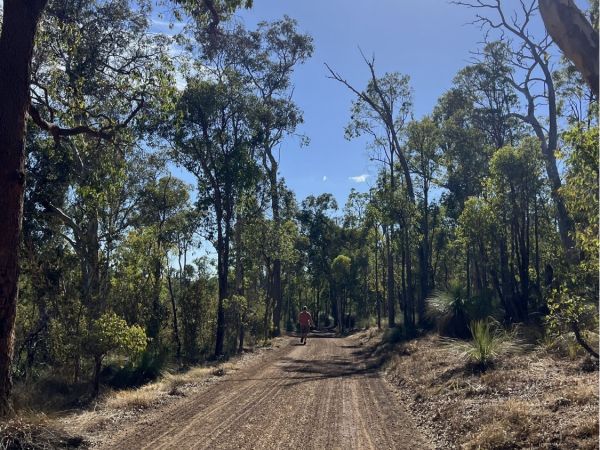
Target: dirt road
x=324 y=395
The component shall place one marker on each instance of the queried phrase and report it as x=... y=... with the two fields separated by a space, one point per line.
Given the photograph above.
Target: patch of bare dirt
x=531 y=400
x=326 y=394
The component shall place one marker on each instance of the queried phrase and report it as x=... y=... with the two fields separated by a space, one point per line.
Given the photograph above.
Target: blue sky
x=429 y=40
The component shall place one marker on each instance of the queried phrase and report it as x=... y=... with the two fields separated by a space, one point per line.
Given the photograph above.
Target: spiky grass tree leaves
x=489 y=342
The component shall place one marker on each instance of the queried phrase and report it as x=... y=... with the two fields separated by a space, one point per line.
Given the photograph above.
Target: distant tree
x=211 y=140
x=381 y=110
x=267 y=58
x=341 y=267
x=423 y=148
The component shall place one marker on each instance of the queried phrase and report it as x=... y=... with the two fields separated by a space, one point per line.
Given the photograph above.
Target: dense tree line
x=471 y=211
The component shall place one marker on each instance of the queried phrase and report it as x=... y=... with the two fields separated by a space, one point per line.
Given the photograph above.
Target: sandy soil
x=327 y=394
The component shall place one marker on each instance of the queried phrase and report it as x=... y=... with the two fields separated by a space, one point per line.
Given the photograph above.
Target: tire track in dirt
x=322 y=395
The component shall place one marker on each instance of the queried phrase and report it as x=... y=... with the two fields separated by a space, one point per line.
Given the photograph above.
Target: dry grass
x=117 y=407
x=171 y=383
x=141 y=398
x=582 y=394
x=492 y=436
x=36 y=432
x=566 y=345
x=529 y=400
x=174 y=382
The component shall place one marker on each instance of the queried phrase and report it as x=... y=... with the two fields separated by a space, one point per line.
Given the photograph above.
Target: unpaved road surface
x=324 y=395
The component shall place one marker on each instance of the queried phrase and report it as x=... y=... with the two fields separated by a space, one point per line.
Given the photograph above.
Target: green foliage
x=566 y=309
x=111 y=334
x=393 y=335
x=449 y=311
x=340 y=267
x=148 y=367
x=573 y=302
x=581 y=194
x=489 y=343
x=110 y=234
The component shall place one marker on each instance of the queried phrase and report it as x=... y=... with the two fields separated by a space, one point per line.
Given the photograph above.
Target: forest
x=482 y=220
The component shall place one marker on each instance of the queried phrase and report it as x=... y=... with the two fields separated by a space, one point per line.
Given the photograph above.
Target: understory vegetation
x=539 y=398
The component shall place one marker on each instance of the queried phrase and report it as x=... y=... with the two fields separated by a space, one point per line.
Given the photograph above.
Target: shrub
x=572 y=314
x=36 y=433
x=489 y=342
x=134 y=374
x=393 y=335
x=141 y=398
x=448 y=310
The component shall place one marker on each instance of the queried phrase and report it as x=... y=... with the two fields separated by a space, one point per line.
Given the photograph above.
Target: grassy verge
x=527 y=399
x=64 y=417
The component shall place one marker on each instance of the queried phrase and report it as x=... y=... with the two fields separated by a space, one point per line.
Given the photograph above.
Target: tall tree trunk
x=538 y=284
x=377 y=298
x=390 y=280
x=222 y=270
x=97 y=371
x=239 y=277
x=19 y=23
x=407 y=308
x=410 y=287
x=154 y=325
x=272 y=168
x=175 y=321
x=468 y=272
x=424 y=256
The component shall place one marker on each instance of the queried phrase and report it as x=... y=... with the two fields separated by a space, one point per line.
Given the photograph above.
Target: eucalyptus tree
x=423 y=145
x=341 y=269
x=529 y=56
x=494 y=97
x=18 y=33
x=561 y=19
x=267 y=58
x=211 y=138
x=373 y=224
x=322 y=243
x=182 y=236
x=465 y=156
x=355 y=234
x=573 y=301
x=381 y=111
x=84 y=83
x=164 y=206
x=516 y=180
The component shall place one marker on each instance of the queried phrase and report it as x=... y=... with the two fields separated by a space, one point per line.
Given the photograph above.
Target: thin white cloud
x=165 y=24
x=360 y=178
x=324 y=177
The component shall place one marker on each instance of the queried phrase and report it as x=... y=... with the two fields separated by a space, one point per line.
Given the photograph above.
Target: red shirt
x=304 y=318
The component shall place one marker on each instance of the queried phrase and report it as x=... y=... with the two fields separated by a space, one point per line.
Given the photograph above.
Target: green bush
x=393 y=335
x=448 y=310
x=136 y=373
x=489 y=342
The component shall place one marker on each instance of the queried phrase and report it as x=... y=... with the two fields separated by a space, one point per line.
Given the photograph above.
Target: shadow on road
x=359 y=362
x=301 y=370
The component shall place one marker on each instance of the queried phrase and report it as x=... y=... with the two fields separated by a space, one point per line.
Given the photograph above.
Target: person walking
x=306 y=321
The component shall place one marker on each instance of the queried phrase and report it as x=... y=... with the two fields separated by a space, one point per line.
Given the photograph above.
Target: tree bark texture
x=19 y=24
x=574 y=35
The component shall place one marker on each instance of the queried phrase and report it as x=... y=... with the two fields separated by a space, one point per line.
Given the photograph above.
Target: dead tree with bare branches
x=532 y=78
x=386 y=100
